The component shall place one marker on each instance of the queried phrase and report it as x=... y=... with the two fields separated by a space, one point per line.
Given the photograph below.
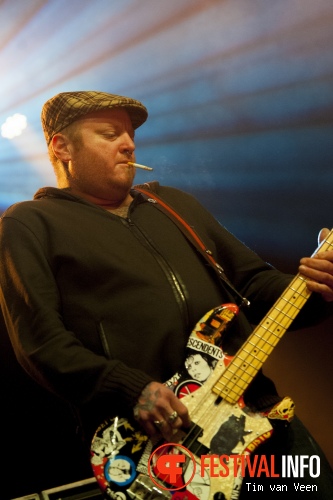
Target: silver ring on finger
x=159 y=423
x=173 y=417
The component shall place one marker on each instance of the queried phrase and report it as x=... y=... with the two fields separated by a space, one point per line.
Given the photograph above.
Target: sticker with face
x=120 y=470
x=198 y=366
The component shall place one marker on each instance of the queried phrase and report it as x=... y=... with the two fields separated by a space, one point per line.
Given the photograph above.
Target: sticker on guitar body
x=203 y=351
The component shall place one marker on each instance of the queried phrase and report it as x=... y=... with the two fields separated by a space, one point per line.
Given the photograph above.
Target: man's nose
x=128 y=143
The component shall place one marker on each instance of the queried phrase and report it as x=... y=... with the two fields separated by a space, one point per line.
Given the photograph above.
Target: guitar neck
x=252 y=355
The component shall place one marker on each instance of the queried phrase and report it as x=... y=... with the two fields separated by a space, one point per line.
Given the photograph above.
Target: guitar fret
x=286 y=310
x=247 y=370
x=250 y=358
x=230 y=396
x=263 y=342
x=258 y=354
x=244 y=365
x=297 y=294
x=262 y=338
x=255 y=350
x=239 y=383
x=235 y=388
x=274 y=328
x=236 y=380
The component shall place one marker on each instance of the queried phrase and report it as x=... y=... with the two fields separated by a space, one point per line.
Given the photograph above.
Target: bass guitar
x=128 y=464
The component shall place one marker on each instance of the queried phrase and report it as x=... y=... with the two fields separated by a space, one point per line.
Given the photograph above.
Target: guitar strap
x=147 y=191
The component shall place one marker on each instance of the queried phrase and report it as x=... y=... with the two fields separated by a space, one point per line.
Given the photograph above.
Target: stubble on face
x=98 y=169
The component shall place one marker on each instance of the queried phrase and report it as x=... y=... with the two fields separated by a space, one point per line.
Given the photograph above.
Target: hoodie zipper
x=171 y=276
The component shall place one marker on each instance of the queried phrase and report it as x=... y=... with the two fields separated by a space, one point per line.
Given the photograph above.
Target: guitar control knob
x=219 y=496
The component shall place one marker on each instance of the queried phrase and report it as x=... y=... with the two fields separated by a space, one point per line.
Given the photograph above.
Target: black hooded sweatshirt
x=98 y=305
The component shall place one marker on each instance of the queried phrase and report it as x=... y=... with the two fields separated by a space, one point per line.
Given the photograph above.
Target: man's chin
x=120 y=188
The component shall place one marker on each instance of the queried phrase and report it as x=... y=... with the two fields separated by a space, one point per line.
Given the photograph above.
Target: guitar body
x=125 y=460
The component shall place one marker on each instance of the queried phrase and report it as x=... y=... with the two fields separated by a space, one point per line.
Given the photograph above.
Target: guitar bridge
x=144 y=488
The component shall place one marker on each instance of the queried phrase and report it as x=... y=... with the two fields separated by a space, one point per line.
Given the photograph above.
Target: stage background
x=240 y=97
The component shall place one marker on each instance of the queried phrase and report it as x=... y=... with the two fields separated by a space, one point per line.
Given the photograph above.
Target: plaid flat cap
x=66 y=107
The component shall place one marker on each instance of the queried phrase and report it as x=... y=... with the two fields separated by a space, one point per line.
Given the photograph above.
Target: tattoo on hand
x=147 y=400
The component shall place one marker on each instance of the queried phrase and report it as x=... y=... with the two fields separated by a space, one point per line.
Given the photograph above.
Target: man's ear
x=60 y=146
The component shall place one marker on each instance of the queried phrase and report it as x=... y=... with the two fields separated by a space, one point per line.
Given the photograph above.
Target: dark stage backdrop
x=240 y=97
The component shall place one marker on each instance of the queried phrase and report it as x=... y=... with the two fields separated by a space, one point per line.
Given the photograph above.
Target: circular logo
x=167 y=465
x=120 y=470
x=186 y=388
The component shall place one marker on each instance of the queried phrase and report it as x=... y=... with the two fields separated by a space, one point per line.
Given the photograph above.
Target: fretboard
x=252 y=355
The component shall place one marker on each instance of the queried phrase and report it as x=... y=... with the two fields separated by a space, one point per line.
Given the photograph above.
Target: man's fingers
x=182 y=412
x=159 y=409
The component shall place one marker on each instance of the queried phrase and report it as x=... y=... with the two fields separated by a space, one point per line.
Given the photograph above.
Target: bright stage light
x=13 y=126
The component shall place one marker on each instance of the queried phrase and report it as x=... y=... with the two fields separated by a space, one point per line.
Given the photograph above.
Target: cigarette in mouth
x=137 y=165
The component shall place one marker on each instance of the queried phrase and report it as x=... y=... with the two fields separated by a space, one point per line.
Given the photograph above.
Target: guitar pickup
x=191 y=441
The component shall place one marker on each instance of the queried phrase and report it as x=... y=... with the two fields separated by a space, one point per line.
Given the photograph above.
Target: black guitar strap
x=191 y=235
